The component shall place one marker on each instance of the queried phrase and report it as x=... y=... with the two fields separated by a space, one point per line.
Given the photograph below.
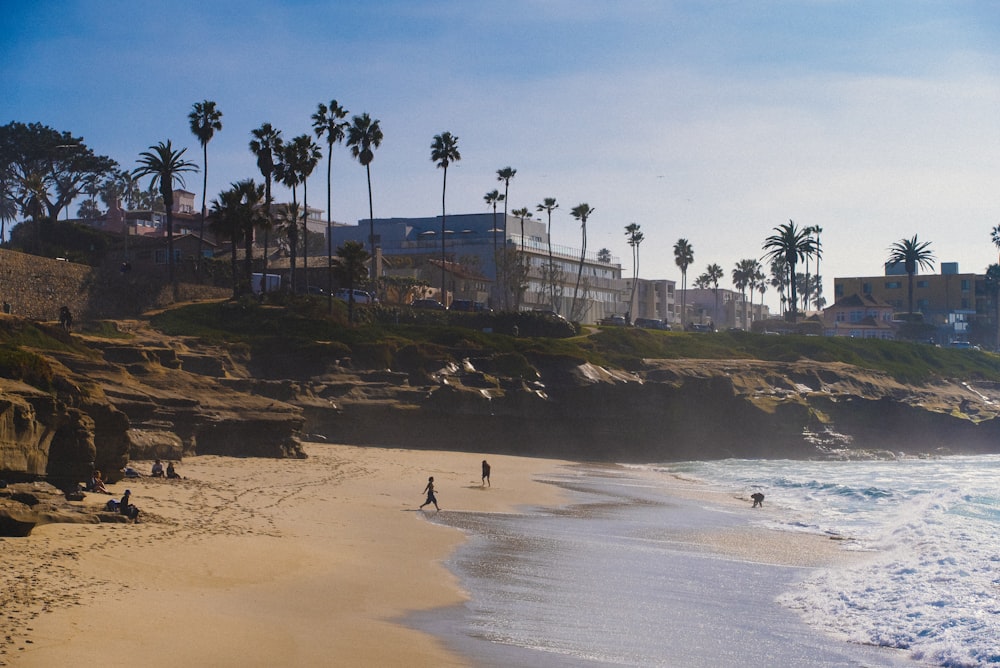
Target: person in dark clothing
x=126 y=508
x=486 y=473
x=758 y=500
x=429 y=490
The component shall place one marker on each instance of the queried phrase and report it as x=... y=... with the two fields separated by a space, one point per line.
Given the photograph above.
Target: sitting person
x=157 y=469
x=171 y=471
x=126 y=508
x=96 y=483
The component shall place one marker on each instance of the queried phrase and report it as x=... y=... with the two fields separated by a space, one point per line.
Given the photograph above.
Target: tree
x=58 y=164
x=266 y=144
x=328 y=120
x=683 y=258
x=308 y=154
x=89 y=209
x=715 y=274
x=581 y=212
x=205 y=121
x=444 y=151
x=521 y=265
x=364 y=136
x=779 y=279
x=166 y=167
x=635 y=237
x=351 y=270
x=791 y=244
x=8 y=206
x=286 y=171
x=505 y=174
x=548 y=205
x=995 y=236
x=743 y=274
x=818 y=302
x=992 y=284
x=251 y=197
x=226 y=223
x=913 y=255
x=491 y=199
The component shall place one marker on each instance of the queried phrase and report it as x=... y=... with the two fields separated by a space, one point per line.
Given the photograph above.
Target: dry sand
x=254 y=562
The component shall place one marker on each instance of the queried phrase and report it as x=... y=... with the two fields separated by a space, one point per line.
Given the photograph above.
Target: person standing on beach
x=429 y=490
x=486 y=473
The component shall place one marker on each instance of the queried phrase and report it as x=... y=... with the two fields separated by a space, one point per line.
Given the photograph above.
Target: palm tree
x=743 y=277
x=287 y=173
x=635 y=237
x=364 y=136
x=251 y=198
x=992 y=284
x=226 y=223
x=779 y=279
x=8 y=205
x=491 y=199
x=266 y=145
x=444 y=151
x=166 y=167
x=683 y=258
x=715 y=274
x=548 y=205
x=817 y=230
x=205 y=121
x=329 y=121
x=913 y=255
x=308 y=154
x=505 y=174
x=522 y=263
x=791 y=244
x=351 y=270
x=581 y=212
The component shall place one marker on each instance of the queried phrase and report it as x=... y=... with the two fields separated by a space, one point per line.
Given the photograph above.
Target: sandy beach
x=277 y=562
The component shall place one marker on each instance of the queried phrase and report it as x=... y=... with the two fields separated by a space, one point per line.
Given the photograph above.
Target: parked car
x=429 y=304
x=469 y=306
x=360 y=296
x=614 y=320
x=549 y=314
x=651 y=323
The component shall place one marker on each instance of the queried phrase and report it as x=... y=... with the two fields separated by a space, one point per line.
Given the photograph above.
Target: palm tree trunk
x=910 y=294
x=444 y=187
x=552 y=269
x=329 y=233
x=204 y=191
x=371 y=222
x=267 y=231
x=579 y=274
x=305 y=233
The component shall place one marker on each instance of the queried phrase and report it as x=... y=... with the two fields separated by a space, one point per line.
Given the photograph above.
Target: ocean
x=615 y=578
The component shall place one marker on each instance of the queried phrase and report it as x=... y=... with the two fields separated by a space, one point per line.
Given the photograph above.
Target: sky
x=713 y=121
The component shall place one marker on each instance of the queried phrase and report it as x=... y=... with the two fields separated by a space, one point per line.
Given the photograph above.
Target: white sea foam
x=931 y=582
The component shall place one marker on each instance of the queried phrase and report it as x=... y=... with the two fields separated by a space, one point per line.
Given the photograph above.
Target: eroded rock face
x=23 y=506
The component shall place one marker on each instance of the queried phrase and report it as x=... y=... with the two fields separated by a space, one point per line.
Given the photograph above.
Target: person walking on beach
x=429 y=490
x=486 y=473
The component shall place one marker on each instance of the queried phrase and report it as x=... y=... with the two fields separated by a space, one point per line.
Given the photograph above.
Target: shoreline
x=259 y=561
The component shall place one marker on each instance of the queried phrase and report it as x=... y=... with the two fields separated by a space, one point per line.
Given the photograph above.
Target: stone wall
x=35 y=287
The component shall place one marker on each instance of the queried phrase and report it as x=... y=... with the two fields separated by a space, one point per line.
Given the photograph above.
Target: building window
x=922 y=284
x=161 y=256
x=866 y=288
x=893 y=285
x=965 y=285
x=922 y=304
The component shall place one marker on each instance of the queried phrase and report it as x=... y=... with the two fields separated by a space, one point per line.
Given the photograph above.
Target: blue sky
x=712 y=121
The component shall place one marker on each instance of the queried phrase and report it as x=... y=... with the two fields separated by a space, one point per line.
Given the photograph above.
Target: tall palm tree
x=491 y=199
x=286 y=171
x=548 y=205
x=635 y=237
x=351 y=270
x=328 y=120
x=992 y=284
x=743 y=277
x=683 y=258
x=792 y=244
x=251 y=198
x=266 y=145
x=8 y=205
x=715 y=274
x=205 y=121
x=913 y=255
x=581 y=212
x=817 y=230
x=522 y=262
x=308 y=154
x=166 y=167
x=444 y=151
x=779 y=279
x=364 y=135
x=226 y=223
x=505 y=174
